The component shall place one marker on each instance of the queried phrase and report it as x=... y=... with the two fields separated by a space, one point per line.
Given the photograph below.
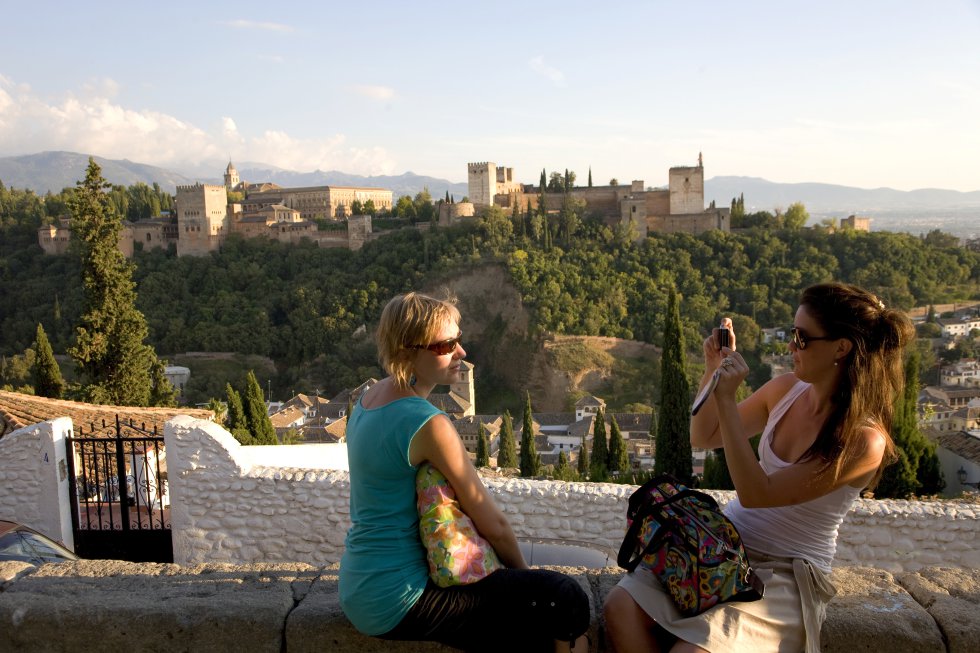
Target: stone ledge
x=294 y=607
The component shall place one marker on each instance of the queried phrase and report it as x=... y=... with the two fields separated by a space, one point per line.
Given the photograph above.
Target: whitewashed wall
x=230 y=506
x=34 y=479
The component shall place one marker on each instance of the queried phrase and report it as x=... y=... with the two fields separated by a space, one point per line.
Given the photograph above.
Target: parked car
x=18 y=542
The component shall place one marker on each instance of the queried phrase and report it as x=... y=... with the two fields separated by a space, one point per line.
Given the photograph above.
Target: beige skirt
x=787 y=620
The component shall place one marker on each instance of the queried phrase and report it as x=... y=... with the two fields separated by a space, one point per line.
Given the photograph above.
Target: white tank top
x=805 y=530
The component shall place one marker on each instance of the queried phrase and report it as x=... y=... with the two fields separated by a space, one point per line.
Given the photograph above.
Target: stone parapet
x=294 y=607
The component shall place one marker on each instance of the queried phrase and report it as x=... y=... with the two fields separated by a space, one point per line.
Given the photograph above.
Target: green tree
x=673 y=453
x=618 y=455
x=114 y=365
x=162 y=392
x=48 y=381
x=482 y=448
x=918 y=470
x=219 y=409
x=796 y=216
x=256 y=414
x=562 y=471
x=236 y=422
x=716 y=475
x=583 y=459
x=598 y=469
x=530 y=460
x=590 y=176
x=507 y=453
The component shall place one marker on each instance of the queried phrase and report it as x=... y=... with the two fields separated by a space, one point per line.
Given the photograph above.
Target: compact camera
x=724 y=337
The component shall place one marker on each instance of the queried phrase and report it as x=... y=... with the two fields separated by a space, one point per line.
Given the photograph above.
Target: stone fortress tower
x=231 y=178
x=485 y=181
x=465 y=387
x=677 y=208
x=203 y=221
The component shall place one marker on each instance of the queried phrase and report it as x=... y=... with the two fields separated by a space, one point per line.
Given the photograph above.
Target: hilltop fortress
x=679 y=207
x=204 y=217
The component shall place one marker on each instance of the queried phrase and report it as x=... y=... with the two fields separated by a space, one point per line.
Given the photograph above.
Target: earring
x=412 y=379
x=835 y=363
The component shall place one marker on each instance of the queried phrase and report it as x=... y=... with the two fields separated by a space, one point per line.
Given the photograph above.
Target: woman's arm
x=790 y=485
x=438 y=443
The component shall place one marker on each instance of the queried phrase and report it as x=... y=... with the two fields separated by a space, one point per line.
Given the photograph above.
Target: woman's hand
x=732 y=371
x=712 y=346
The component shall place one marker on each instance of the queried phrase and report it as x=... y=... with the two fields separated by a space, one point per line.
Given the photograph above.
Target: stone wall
x=230 y=505
x=236 y=504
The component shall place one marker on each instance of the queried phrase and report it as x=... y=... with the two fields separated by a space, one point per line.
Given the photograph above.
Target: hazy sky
x=867 y=93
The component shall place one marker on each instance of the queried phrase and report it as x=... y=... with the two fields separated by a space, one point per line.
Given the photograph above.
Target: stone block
x=952 y=597
x=871 y=611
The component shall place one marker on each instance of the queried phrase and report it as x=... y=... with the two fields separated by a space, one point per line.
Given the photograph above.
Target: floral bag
x=695 y=551
x=456 y=552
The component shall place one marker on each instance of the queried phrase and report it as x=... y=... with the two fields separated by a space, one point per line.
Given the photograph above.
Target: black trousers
x=515 y=610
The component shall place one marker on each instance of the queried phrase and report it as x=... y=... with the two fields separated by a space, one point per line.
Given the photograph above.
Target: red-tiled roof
x=19 y=410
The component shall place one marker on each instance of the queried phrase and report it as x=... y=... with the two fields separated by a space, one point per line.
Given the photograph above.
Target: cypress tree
x=256 y=414
x=673 y=453
x=590 y=176
x=716 y=475
x=530 y=460
x=235 y=421
x=562 y=472
x=507 y=454
x=482 y=448
x=114 y=366
x=619 y=460
x=600 y=449
x=48 y=381
x=583 y=460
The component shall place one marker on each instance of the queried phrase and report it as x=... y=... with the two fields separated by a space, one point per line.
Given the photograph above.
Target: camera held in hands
x=724 y=337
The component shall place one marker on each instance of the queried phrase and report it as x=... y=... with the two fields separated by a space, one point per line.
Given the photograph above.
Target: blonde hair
x=873 y=373
x=408 y=320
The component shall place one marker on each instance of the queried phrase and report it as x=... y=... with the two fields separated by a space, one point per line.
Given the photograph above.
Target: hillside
x=556 y=370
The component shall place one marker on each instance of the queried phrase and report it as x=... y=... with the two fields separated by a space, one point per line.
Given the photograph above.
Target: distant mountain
x=52 y=171
x=408 y=183
x=762 y=195
x=914 y=211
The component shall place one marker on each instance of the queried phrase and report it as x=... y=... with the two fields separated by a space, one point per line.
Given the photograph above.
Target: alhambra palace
x=204 y=217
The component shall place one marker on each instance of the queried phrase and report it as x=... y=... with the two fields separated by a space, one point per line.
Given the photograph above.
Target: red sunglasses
x=442 y=347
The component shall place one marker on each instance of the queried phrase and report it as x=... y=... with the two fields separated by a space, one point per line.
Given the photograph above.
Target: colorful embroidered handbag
x=456 y=552
x=695 y=551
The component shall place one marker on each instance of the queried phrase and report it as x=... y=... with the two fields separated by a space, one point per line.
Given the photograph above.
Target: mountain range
x=914 y=211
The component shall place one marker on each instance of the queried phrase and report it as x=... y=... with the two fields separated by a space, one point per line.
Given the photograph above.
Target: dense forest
x=301 y=305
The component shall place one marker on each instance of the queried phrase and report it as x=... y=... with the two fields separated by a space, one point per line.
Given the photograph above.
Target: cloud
x=95 y=124
x=538 y=65
x=375 y=92
x=242 y=23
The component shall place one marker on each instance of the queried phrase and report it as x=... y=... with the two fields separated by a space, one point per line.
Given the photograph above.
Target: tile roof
x=18 y=410
x=964 y=444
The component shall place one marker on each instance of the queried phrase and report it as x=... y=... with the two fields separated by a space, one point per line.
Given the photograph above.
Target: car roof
x=6 y=526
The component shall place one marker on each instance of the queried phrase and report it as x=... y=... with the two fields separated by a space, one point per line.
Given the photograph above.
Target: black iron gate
x=119 y=496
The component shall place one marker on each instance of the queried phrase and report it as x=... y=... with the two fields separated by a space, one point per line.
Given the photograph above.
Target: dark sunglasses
x=443 y=347
x=801 y=339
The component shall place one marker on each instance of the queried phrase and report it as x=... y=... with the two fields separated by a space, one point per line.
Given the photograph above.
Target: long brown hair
x=873 y=371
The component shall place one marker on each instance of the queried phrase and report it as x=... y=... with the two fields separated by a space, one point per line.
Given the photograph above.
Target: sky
x=869 y=94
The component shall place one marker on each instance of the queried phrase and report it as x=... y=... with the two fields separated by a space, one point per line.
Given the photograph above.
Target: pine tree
x=162 y=391
x=48 y=381
x=530 y=460
x=619 y=460
x=114 y=366
x=598 y=470
x=507 y=454
x=256 y=414
x=673 y=441
x=235 y=421
x=482 y=448
x=583 y=460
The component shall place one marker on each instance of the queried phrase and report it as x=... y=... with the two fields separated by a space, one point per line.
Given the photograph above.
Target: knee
x=618 y=609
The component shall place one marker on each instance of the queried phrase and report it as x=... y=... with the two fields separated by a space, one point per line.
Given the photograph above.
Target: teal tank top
x=383 y=570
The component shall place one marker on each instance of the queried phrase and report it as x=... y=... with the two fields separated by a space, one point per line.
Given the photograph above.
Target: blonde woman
x=824 y=438
x=384 y=579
